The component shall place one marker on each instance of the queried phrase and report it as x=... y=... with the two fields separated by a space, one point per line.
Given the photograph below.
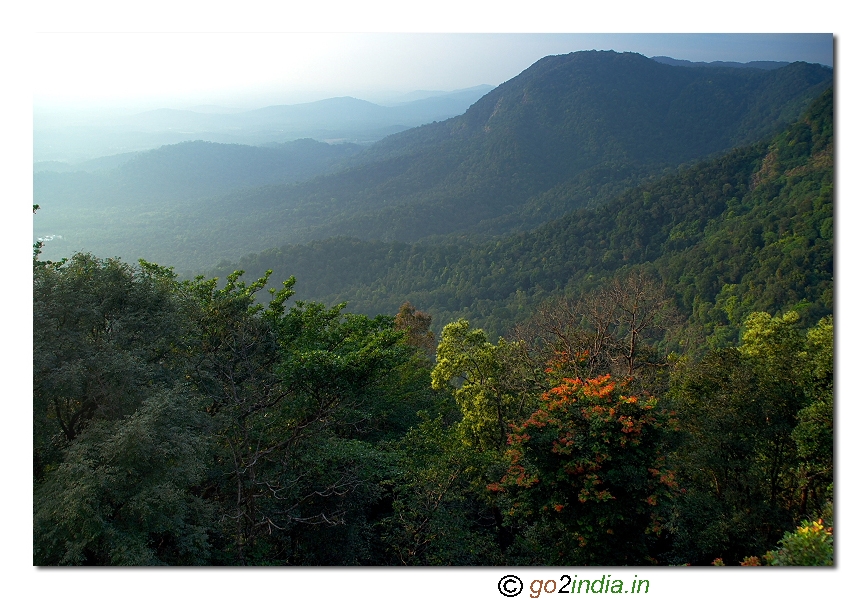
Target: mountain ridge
x=331 y=119
x=518 y=156
x=570 y=131
x=752 y=64
x=751 y=230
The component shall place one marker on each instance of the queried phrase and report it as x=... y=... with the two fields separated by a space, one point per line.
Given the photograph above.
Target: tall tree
x=486 y=381
x=619 y=328
x=417 y=326
x=126 y=491
x=588 y=475
x=103 y=337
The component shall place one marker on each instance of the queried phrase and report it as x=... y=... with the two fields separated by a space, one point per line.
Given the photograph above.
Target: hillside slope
x=574 y=122
x=751 y=230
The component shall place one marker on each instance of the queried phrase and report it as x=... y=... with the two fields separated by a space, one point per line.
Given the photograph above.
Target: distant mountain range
x=334 y=120
x=570 y=131
x=186 y=171
x=330 y=117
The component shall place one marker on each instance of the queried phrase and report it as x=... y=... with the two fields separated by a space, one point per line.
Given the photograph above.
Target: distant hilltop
x=767 y=65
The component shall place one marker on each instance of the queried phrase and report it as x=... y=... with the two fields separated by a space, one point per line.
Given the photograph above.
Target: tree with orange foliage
x=587 y=474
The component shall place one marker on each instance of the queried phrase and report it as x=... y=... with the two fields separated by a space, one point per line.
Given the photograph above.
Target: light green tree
x=486 y=382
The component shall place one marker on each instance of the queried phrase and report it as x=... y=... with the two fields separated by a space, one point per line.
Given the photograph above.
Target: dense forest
x=646 y=378
x=749 y=231
x=181 y=422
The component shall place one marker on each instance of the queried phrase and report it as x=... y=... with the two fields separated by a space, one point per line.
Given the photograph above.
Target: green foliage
x=758 y=451
x=124 y=492
x=105 y=336
x=745 y=232
x=487 y=391
x=299 y=398
x=440 y=516
x=810 y=545
x=274 y=436
x=185 y=422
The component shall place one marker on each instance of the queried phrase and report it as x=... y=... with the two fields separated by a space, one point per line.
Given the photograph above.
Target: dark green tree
x=124 y=493
x=104 y=338
x=756 y=458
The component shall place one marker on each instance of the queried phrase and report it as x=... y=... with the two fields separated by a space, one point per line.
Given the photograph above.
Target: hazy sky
x=254 y=69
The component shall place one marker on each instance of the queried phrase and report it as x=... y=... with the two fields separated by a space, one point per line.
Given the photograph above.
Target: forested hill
x=751 y=230
x=568 y=124
x=187 y=171
x=569 y=131
x=140 y=208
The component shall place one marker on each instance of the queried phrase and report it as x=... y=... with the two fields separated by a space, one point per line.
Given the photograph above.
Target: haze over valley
x=59 y=145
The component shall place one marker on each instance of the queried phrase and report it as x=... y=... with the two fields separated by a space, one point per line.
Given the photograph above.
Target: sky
x=250 y=70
